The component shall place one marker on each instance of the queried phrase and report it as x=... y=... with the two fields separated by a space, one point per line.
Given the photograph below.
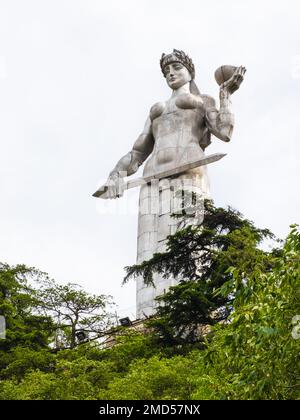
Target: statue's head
x=177 y=57
x=177 y=68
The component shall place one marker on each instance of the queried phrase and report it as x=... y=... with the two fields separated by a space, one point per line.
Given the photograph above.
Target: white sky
x=77 y=80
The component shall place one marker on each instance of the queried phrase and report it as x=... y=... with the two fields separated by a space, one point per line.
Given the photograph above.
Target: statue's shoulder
x=209 y=101
x=156 y=110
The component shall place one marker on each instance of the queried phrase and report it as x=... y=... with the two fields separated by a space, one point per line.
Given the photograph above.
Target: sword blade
x=165 y=174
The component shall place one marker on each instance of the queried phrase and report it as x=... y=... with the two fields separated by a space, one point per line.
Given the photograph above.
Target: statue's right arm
x=141 y=149
x=130 y=162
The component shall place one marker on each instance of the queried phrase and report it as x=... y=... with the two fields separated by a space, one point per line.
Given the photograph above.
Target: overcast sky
x=77 y=80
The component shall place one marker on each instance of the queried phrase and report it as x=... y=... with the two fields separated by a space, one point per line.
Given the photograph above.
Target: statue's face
x=177 y=75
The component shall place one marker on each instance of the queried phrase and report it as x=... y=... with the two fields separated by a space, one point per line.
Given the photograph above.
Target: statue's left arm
x=221 y=122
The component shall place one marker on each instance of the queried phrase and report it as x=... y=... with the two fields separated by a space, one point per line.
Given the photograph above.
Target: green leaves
x=208 y=260
x=43 y=316
x=257 y=348
x=72 y=310
x=185 y=353
x=24 y=326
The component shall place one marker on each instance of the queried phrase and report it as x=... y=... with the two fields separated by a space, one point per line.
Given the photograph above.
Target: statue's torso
x=177 y=127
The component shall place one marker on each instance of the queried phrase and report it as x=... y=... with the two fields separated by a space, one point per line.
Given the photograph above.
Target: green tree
x=199 y=256
x=18 y=300
x=256 y=355
x=42 y=316
x=79 y=373
x=252 y=355
x=155 y=378
x=25 y=327
x=130 y=346
x=73 y=311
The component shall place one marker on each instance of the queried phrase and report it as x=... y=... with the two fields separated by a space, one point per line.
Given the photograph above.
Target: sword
x=165 y=174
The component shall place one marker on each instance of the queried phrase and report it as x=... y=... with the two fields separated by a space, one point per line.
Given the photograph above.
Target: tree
x=199 y=256
x=253 y=355
x=18 y=300
x=80 y=373
x=25 y=327
x=39 y=315
x=156 y=378
x=256 y=355
x=75 y=312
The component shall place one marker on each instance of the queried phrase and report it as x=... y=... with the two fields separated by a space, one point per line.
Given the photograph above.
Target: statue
x=175 y=134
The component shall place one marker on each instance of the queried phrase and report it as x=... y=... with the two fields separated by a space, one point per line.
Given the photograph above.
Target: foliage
x=253 y=355
x=17 y=303
x=23 y=359
x=196 y=247
x=129 y=347
x=200 y=257
x=153 y=379
x=37 y=312
x=73 y=311
x=80 y=373
x=25 y=328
